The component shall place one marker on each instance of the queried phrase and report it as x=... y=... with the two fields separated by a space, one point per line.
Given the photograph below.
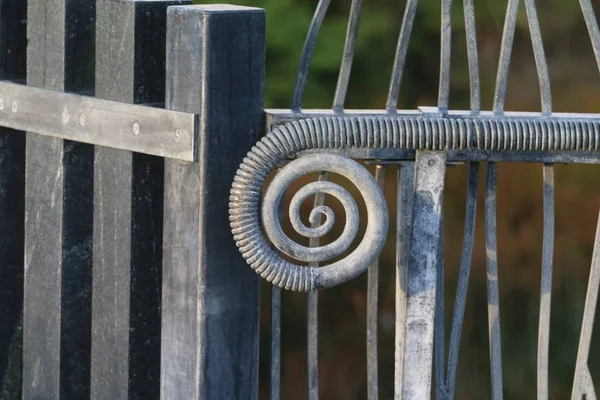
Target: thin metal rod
x=492 y=282
x=313 y=310
x=406 y=196
x=446 y=45
x=473 y=55
x=276 y=329
x=275 y=343
x=510 y=23
x=583 y=384
x=463 y=278
x=440 y=320
x=592 y=25
x=401 y=50
x=372 y=308
x=546 y=284
x=540 y=57
x=346 y=67
x=307 y=53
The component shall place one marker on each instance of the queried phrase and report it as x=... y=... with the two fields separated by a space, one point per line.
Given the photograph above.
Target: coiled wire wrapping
x=391 y=132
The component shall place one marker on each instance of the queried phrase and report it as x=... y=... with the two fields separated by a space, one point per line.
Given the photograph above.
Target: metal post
x=58 y=210
x=128 y=206
x=210 y=303
x=13 y=48
x=423 y=263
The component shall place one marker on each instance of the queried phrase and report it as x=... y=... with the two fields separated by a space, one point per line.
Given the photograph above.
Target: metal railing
x=119 y=276
x=420 y=143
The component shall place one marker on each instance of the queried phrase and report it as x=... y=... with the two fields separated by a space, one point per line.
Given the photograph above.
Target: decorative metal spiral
x=319 y=135
x=271 y=266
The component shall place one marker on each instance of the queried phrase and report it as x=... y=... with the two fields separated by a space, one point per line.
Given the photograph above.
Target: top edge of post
x=216 y=8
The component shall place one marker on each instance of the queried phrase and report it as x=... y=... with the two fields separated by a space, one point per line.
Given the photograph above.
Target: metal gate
x=420 y=144
x=124 y=123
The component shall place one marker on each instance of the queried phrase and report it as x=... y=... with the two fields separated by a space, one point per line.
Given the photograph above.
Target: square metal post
x=210 y=303
x=430 y=170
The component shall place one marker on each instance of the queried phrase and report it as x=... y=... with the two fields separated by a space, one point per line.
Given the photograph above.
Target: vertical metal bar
x=210 y=298
x=583 y=386
x=492 y=281
x=463 y=279
x=130 y=38
x=445 y=52
x=307 y=53
x=275 y=343
x=349 y=47
x=13 y=52
x=313 y=310
x=406 y=197
x=400 y=58
x=592 y=25
x=372 y=310
x=423 y=262
x=313 y=345
x=540 y=57
x=510 y=23
x=472 y=54
x=546 y=284
x=58 y=216
x=439 y=339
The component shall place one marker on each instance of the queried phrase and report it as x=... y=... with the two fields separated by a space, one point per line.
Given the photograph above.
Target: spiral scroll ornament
x=269 y=264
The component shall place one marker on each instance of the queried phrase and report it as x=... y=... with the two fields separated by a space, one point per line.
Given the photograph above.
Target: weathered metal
x=210 y=298
x=58 y=211
x=583 y=385
x=118 y=125
x=128 y=206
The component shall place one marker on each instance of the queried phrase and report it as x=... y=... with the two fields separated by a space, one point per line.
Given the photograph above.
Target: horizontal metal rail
x=123 y=126
x=513 y=137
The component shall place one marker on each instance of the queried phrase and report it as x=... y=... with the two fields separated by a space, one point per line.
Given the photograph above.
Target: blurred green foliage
x=576 y=85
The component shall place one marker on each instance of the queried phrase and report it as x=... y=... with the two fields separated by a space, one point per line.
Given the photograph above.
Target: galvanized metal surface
x=100 y=122
x=430 y=170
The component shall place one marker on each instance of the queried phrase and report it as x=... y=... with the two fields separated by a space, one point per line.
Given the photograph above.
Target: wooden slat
x=128 y=206
x=58 y=217
x=13 y=47
x=215 y=67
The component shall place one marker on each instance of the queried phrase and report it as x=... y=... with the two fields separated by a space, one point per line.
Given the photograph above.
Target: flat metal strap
x=134 y=128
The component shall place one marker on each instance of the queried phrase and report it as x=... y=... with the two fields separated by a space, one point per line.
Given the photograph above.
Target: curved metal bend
x=350 y=132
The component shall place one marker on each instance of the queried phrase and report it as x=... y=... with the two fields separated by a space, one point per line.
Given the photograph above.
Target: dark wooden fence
x=119 y=277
